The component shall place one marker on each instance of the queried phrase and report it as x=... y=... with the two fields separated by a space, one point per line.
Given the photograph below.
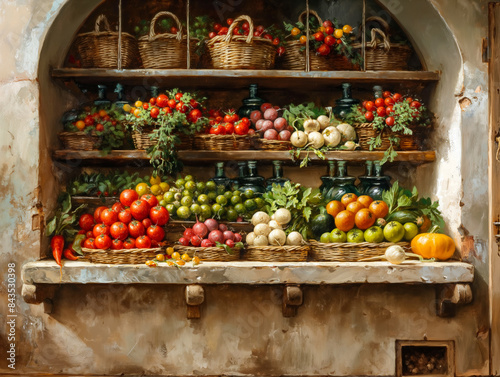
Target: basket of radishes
x=210 y=241
x=274 y=130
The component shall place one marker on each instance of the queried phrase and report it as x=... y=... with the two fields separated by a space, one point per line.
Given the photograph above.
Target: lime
x=221 y=189
x=206 y=211
x=142 y=189
x=183 y=212
x=186 y=201
x=231 y=215
x=203 y=199
x=216 y=208
x=240 y=208
x=180 y=183
x=325 y=238
x=195 y=208
x=162 y=202
x=260 y=202
x=338 y=236
x=221 y=199
x=169 y=196
x=235 y=200
x=170 y=208
x=188 y=178
x=250 y=205
x=249 y=193
x=411 y=230
x=186 y=193
x=228 y=195
x=190 y=186
x=236 y=193
x=212 y=195
x=210 y=186
x=200 y=186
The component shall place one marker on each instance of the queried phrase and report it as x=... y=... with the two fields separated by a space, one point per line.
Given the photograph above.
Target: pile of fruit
x=268 y=230
x=269 y=124
x=173 y=258
x=227 y=123
x=210 y=234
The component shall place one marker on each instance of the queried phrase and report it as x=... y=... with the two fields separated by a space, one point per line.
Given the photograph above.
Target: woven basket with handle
x=143 y=139
x=166 y=50
x=276 y=253
x=121 y=256
x=213 y=254
x=80 y=141
x=99 y=48
x=231 y=142
x=381 y=54
x=241 y=52
x=349 y=252
x=295 y=55
x=413 y=142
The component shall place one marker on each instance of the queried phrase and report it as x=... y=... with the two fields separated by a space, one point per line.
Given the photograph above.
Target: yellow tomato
x=137 y=112
x=164 y=186
x=338 y=33
x=196 y=260
x=151 y=263
x=347 y=29
x=170 y=250
x=127 y=108
x=321 y=29
x=138 y=104
x=295 y=31
x=155 y=180
x=80 y=125
x=102 y=113
x=303 y=39
x=176 y=255
x=159 y=197
x=170 y=263
x=142 y=188
x=180 y=262
x=185 y=257
x=160 y=257
x=156 y=190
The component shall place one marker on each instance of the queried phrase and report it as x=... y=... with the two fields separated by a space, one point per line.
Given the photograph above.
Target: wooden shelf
x=213 y=78
x=139 y=157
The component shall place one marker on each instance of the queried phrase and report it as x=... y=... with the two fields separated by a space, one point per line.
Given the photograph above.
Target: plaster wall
x=339 y=330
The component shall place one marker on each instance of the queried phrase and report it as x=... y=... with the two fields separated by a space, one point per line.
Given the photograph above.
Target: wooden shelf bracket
x=449 y=296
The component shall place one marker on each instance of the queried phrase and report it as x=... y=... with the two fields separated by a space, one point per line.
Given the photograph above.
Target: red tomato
x=363 y=104
x=99 y=127
x=229 y=21
x=143 y=242
x=389 y=101
x=276 y=41
x=173 y=30
x=218 y=130
x=339 y=41
x=195 y=114
x=381 y=111
x=86 y=222
x=89 y=121
x=329 y=30
x=217 y=27
x=181 y=107
x=397 y=97
x=369 y=116
x=116 y=244
x=100 y=229
x=81 y=231
x=136 y=229
x=127 y=197
x=118 y=207
x=370 y=106
x=415 y=104
x=195 y=241
x=139 y=209
x=409 y=100
x=245 y=26
x=229 y=127
x=167 y=110
x=159 y=215
x=379 y=102
x=386 y=94
x=389 y=110
x=323 y=50
x=178 y=96
x=268 y=36
x=156 y=233
x=89 y=243
x=125 y=216
x=108 y=216
x=162 y=100
x=119 y=230
x=194 y=104
x=246 y=121
x=327 y=23
x=330 y=40
x=147 y=222
x=154 y=112
x=319 y=36
x=241 y=128
x=89 y=234
x=151 y=199
x=212 y=34
x=152 y=101
x=172 y=103
x=97 y=213
x=145 y=106
x=102 y=242
x=389 y=121
x=129 y=243
x=223 y=31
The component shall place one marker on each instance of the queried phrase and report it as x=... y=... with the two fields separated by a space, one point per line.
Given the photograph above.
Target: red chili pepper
x=57 y=246
x=68 y=254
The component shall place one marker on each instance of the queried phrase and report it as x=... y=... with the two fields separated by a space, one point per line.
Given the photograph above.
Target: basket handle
x=229 y=35
x=381 y=21
x=314 y=13
x=101 y=18
x=385 y=40
x=152 y=32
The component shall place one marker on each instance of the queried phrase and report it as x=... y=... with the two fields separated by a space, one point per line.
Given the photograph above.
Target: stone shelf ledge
x=251 y=273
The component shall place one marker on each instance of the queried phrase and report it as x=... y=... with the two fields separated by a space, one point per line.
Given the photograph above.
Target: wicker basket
x=276 y=253
x=223 y=142
x=366 y=132
x=349 y=252
x=80 y=141
x=381 y=54
x=166 y=50
x=99 y=49
x=295 y=56
x=121 y=256
x=213 y=254
x=241 y=52
x=273 y=145
x=143 y=140
x=413 y=142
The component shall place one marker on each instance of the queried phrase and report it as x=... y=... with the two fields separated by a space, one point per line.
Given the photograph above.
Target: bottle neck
x=242 y=170
x=342 y=169
x=331 y=168
x=278 y=170
x=219 y=170
x=346 y=91
x=101 y=90
x=378 y=169
x=253 y=91
x=369 y=168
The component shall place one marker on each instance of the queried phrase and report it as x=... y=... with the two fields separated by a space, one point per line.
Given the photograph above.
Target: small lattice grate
x=425 y=358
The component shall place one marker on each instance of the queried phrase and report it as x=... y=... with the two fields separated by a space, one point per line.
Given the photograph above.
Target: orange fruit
x=364 y=219
x=345 y=221
x=348 y=198
x=379 y=208
x=303 y=39
x=102 y=113
x=365 y=200
x=355 y=207
x=334 y=207
x=80 y=125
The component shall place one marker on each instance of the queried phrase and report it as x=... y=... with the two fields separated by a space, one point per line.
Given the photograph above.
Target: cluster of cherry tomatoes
x=244 y=29
x=385 y=107
x=163 y=105
x=131 y=223
x=326 y=36
x=96 y=120
x=228 y=123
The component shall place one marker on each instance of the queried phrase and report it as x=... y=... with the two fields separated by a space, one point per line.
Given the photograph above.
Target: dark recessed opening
x=424 y=360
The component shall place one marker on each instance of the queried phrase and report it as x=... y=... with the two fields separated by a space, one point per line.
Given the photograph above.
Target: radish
x=260 y=241
x=184 y=241
x=259 y=123
x=323 y=121
x=260 y=217
x=262 y=230
x=271 y=134
x=195 y=241
x=277 y=237
x=283 y=216
x=237 y=237
x=271 y=114
x=267 y=125
x=211 y=224
x=299 y=139
x=250 y=238
x=265 y=106
x=311 y=125
x=316 y=140
x=251 y=131
x=216 y=236
x=255 y=116
x=207 y=243
x=200 y=229
x=229 y=243
x=294 y=239
x=284 y=135
x=280 y=124
x=188 y=232
x=275 y=225
x=228 y=235
x=332 y=136
x=348 y=132
x=222 y=227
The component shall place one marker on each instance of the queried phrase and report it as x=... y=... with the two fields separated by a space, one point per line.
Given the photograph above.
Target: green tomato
x=168 y=196
x=325 y=238
x=221 y=199
x=206 y=211
x=411 y=230
x=183 y=212
x=200 y=186
x=235 y=200
x=338 y=236
x=203 y=199
x=186 y=201
x=231 y=214
x=210 y=186
x=240 y=208
x=190 y=186
x=249 y=194
x=355 y=236
x=250 y=205
x=195 y=208
x=180 y=183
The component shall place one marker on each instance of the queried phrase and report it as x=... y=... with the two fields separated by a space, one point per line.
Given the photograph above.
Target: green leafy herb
x=65 y=220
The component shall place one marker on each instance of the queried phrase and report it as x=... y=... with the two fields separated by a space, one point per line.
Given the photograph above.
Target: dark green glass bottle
x=379 y=184
x=220 y=176
x=365 y=181
x=343 y=106
x=277 y=176
x=328 y=179
x=253 y=102
x=253 y=181
x=120 y=101
x=343 y=184
x=242 y=175
x=102 y=101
